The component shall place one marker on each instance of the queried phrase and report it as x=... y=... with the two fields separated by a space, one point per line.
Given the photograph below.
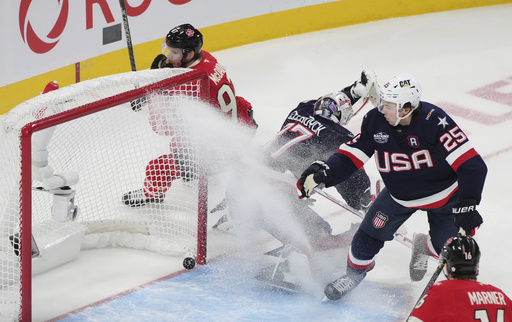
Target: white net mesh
x=111 y=152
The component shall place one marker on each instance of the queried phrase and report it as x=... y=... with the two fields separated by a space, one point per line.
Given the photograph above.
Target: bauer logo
x=379 y=220
x=381 y=137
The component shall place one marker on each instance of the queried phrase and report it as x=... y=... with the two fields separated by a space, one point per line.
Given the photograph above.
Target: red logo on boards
x=34 y=41
x=41 y=42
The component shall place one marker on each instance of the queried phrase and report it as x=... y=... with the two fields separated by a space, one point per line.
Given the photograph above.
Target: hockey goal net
x=70 y=155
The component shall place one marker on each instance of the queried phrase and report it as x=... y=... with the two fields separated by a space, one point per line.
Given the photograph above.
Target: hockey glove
x=317 y=173
x=363 y=87
x=138 y=103
x=467 y=217
x=158 y=61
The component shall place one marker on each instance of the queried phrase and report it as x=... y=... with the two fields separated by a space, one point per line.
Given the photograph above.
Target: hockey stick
x=433 y=279
x=398 y=236
x=128 y=34
x=136 y=105
x=401 y=238
x=365 y=101
x=431 y=282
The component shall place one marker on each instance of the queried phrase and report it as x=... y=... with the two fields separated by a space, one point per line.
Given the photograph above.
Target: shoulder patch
x=381 y=137
x=429 y=114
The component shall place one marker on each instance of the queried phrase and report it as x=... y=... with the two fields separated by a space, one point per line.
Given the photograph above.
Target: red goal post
x=90 y=129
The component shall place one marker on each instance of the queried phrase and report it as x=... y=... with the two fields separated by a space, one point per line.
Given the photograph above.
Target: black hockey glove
x=318 y=172
x=467 y=217
x=138 y=103
x=157 y=62
x=251 y=118
x=186 y=163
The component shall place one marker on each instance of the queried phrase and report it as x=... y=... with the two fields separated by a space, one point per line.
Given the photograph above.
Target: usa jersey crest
x=431 y=149
x=379 y=220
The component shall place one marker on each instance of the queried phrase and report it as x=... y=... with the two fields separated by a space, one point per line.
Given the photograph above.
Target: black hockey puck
x=189 y=263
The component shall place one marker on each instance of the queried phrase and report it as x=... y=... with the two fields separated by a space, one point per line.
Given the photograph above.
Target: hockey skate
x=340 y=287
x=288 y=275
x=225 y=223
x=419 y=259
x=137 y=198
x=278 y=277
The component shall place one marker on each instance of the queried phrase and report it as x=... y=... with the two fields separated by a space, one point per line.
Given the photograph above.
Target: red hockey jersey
x=222 y=91
x=461 y=300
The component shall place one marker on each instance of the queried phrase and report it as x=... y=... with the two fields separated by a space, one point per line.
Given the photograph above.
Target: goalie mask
x=461 y=255
x=185 y=37
x=402 y=90
x=334 y=106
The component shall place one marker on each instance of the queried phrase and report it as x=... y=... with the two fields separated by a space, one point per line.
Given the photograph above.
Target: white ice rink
x=463 y=61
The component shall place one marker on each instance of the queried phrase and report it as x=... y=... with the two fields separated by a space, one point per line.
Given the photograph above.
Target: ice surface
x=461 y=58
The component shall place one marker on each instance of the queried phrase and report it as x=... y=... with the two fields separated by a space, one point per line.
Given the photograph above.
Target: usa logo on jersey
x=379 y=220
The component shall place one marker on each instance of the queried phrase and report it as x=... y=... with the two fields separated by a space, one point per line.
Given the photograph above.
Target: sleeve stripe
x=461 y=155
x=357 y=156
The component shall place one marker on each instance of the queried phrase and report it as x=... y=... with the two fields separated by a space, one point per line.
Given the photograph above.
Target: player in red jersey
x=461 y=297
x=182 y=48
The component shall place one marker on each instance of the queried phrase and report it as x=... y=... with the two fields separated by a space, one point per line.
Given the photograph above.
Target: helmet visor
x=326 y=107
x=165 y=49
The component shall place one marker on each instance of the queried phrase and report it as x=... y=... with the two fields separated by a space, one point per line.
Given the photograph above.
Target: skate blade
x=266 y=276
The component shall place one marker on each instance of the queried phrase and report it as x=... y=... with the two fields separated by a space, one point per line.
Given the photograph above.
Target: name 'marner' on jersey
x=421 y=164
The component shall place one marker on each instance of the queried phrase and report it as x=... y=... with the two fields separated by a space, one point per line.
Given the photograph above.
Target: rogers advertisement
x=38 y=36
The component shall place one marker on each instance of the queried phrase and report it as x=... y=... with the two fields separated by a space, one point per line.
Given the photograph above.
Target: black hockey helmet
x=185 y=37
x=461 y=255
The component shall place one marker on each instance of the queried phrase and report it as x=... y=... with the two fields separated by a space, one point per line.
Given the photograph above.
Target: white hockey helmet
x=404 y=91
x=334 y=106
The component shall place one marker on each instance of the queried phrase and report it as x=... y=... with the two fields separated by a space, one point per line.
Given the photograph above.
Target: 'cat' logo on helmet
x=190 y=32
x=405 y=83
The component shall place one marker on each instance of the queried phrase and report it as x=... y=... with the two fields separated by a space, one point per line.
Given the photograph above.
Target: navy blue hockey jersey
x=305 y=138
x=422 y=164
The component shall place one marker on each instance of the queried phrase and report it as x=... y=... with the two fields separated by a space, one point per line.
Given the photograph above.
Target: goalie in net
x=182 y=49
x=314 y=128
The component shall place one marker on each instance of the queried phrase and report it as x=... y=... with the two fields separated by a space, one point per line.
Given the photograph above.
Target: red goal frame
x=26 y=173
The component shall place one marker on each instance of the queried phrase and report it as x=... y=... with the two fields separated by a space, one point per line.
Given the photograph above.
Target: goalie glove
x=467 y=217
x=365 y=87
x=318 y=172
